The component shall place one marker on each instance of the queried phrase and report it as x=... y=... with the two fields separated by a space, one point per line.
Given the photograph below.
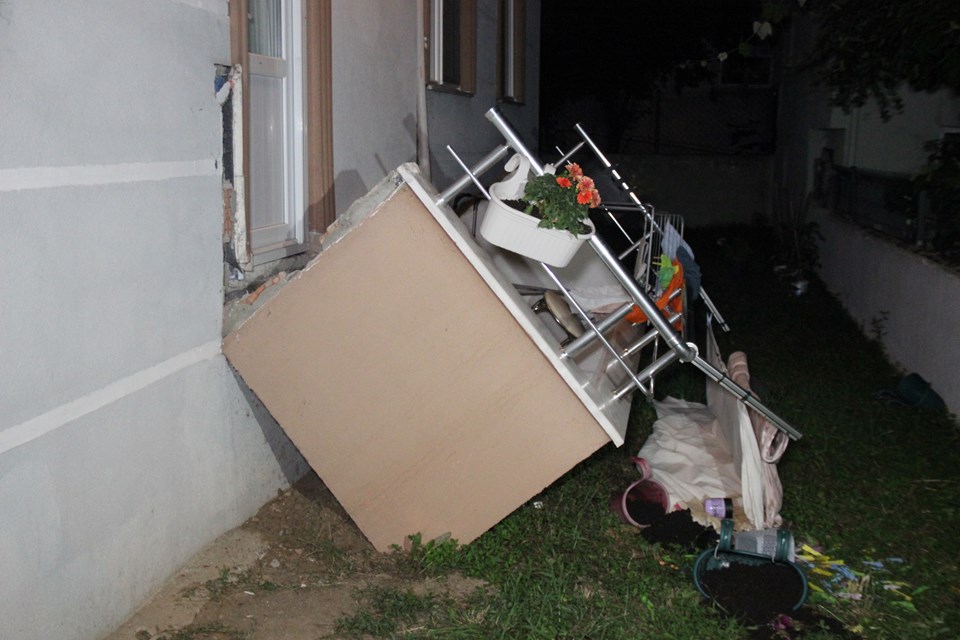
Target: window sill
x=449 y=88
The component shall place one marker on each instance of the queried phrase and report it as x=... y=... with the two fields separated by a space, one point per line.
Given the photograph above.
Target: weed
x=392 y=611
x=878 y=325
x=430 y=558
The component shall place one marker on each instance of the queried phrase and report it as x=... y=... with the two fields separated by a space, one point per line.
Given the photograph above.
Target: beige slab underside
x=408 y=386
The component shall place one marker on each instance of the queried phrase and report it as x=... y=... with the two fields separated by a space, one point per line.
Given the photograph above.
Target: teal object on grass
x=913 y=391
x=725 y=555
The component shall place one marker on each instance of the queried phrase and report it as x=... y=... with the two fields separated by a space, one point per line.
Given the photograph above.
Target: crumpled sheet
x=718 y=450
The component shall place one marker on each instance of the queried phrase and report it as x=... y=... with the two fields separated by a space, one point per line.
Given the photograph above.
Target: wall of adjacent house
x=458 y=120
x=909 y=299
x=895 y=145
x=861 y=138
x=375 y=48
x=126 y=443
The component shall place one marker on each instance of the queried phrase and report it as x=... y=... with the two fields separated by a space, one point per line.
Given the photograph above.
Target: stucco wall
x=895 y=145
x=870 y=276
x=375 y=47
x=910 y=299
x=458 y=120
x=126 y=443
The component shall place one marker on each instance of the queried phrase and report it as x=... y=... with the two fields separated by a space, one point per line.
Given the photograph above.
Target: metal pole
x=648 y=373
x=575 y=345
x=613 y=172
x=625 y=187
x=745 y=396
x=488 y=161
x=494 y=116
x=687 y=352
x=469 y=173
x=592 y=326
x=566 y=156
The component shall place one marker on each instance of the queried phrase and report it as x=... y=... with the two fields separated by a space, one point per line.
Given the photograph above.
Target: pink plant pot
x=642 y=503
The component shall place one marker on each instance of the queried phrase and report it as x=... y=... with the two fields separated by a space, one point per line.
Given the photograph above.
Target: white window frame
x=292 y=240
x=511 y=45
x=435 y=46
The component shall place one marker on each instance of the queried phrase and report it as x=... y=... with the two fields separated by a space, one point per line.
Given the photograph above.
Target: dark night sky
x=590 y=46
x=611 y=49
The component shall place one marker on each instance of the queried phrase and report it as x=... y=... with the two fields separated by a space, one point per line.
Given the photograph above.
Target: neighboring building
x=126 y=441
x=850 y=173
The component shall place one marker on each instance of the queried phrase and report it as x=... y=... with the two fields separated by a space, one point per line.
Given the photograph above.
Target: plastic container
x=790 y=578
x=642 y=503
x=719 y=507
x=643 y=466
x=773 y=543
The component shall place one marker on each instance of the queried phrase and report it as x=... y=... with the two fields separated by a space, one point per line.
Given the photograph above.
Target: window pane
x=451 y=41
x=266 y=34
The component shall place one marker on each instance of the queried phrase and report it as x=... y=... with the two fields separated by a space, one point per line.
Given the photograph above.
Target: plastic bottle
x=775 y=543
x=719 y=507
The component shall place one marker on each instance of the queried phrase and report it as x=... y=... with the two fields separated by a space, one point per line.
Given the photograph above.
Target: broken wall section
x=407 y=384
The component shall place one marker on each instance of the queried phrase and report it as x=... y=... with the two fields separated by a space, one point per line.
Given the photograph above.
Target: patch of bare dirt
x=289 y=573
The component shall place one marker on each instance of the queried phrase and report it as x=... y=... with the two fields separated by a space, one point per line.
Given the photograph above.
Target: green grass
x=866 y=483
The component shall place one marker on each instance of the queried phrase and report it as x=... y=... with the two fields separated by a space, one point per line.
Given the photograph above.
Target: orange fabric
x=637 y=316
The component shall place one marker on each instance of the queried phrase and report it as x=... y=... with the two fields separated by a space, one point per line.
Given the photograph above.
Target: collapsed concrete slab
x=414 y=378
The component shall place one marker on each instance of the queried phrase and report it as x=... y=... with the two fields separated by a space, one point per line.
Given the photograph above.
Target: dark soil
x=757 y=593
x=678 y=528
x=521 y=205
x=644 y=512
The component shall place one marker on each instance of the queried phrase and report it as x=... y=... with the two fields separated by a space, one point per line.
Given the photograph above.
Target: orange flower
x=574 y=170
x=564 y=182
x=584 y=197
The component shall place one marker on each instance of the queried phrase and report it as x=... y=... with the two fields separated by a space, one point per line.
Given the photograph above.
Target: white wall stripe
x=24 y=178
x=64 y=414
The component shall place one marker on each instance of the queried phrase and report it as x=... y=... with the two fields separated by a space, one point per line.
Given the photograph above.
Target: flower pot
x=516 y=231
x=642 y=503
x=753 y=585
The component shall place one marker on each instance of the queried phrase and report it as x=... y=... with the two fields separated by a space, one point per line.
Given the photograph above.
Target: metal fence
x=886 y=202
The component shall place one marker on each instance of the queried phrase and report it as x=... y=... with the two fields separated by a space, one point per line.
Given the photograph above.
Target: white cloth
x=701 y=451
x=672 y=240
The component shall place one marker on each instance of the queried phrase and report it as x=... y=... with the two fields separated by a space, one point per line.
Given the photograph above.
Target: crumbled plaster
x=239 y=301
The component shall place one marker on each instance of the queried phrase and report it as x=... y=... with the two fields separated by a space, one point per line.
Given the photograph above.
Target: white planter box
x=516 y=231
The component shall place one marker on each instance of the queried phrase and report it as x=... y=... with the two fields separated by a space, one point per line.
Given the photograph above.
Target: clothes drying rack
x=660 y=324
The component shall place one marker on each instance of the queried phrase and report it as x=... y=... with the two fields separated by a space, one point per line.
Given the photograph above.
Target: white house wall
x=895 y=145
x=375 y=49
x=909 y=299
x=458 y=120
x=126 y=443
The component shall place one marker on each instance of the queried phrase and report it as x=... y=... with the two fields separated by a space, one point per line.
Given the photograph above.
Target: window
x=451 y=44
x=511 y=25
x=283 y=178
